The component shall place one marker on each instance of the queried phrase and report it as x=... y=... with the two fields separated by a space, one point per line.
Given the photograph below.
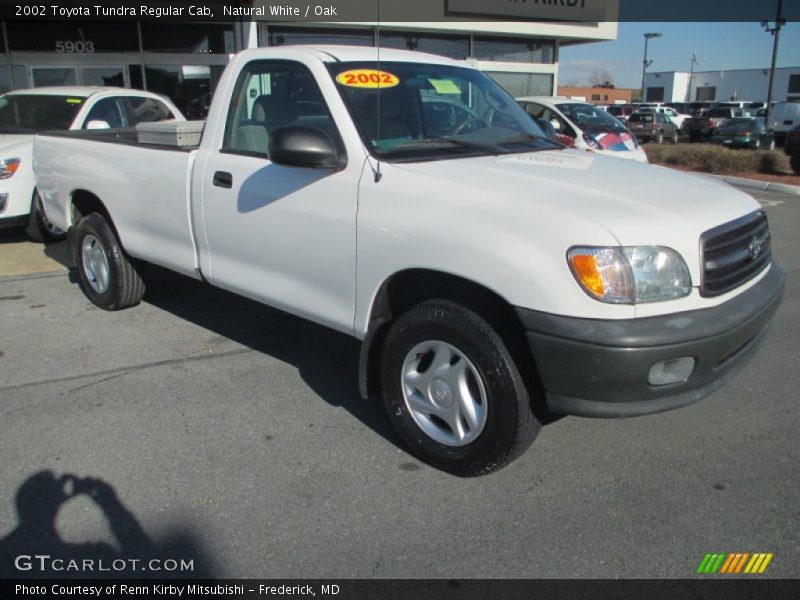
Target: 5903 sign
x=81 y=47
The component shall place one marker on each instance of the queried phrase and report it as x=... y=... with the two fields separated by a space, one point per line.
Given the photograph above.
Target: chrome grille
x=734 y=253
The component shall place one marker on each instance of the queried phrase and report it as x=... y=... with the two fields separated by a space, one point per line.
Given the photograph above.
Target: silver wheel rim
x=95 y=263
x=444 y=393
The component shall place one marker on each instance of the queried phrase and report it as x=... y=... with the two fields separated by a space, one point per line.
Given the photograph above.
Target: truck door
x=285 y=236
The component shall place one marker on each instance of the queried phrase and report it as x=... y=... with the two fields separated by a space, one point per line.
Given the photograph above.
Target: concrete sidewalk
x=762 y=186
x=21 y=256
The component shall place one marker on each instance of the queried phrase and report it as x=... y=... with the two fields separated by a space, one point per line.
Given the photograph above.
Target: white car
x=584 y=126
x=489 y=272
x=672 y=114
x=24 y=113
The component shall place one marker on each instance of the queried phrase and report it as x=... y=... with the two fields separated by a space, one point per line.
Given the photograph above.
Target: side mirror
x=298 y=146
x=98 y=124
x=556 y=124
x=547 y=128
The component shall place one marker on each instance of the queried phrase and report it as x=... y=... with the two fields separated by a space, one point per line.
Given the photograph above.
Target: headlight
x=630 y=275
x=8 y=167
x=591 y=142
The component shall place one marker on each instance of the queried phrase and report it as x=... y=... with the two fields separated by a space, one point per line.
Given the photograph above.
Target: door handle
x=223 y=179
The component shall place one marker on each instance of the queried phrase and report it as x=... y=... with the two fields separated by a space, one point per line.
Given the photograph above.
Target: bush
x=709 y=158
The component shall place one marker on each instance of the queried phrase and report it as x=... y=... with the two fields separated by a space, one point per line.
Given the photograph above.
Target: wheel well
x=84 y=203
x=406 y=289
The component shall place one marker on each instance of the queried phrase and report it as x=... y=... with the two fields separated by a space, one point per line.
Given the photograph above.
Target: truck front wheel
x=453 y=391
x=107 y=275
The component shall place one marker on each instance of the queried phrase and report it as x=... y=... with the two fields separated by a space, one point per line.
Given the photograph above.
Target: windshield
x=417 y=111
x=739 y=125
x=588 y=118
x=23 y=113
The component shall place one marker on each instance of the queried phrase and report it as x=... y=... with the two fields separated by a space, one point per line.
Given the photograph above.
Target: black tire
x=694 y=137
x=660 y=137
x=510 y=424
x=39 y=229
x=675 y=136
x=125 y=285
x=794 y=160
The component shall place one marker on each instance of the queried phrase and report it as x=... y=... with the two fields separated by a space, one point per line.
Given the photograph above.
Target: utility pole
x=691 y=76
x=646 y=63
x=776 y=32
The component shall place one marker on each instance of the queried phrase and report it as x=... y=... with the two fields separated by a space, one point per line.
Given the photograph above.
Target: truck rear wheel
x=107 y=275
x=453 y=391
x=794 y=160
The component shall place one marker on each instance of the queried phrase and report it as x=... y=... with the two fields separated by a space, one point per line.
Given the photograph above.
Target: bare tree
x=601 y=78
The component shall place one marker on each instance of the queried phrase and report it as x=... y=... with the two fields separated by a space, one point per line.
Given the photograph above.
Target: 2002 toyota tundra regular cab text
x=494 y=277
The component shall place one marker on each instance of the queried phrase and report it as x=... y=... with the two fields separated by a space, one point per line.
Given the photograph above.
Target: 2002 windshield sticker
x=367 y=78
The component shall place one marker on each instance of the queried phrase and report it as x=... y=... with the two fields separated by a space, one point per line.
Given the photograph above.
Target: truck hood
x=638 y=204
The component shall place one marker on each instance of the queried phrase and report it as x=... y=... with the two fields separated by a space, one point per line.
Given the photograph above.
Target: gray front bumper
x=600 y=368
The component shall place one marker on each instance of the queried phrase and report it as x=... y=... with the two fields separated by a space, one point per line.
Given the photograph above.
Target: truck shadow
x=36 y=550
x=326 y=360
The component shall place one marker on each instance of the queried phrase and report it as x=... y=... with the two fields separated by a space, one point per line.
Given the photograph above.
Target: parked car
x=656 y=126
x=621 y=111
x=24 y=113
x=782 y=118
x=584 y=126
x=703 y=126
x=743 y=133
x=697 y=108
x=667 y=111
x=491 y=275
x=792 y=148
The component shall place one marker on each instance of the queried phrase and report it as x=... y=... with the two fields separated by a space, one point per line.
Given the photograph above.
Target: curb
x=762 y=186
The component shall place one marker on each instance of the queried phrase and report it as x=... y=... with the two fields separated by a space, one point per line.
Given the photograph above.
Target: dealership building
x=184 y=60
x=733 y=84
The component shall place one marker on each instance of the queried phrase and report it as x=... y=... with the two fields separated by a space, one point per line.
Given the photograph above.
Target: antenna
x=378 y=174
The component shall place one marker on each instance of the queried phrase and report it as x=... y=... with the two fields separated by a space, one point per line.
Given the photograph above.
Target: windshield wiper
x=454 y=141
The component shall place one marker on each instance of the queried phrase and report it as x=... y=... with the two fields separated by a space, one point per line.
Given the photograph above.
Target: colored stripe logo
x=735 y=563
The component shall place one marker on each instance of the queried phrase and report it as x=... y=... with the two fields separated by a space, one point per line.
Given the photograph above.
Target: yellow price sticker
x=367 y=78
x=445 y=86
x=74 y=100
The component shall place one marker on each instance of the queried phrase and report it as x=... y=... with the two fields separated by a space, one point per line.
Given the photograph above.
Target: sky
x=717 y=46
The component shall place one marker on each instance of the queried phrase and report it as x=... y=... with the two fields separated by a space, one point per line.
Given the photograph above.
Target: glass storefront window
x=513 y=50
x=54 y=76
x=452 y=46
x=15 y=79
x=524 y=84
x=189 y=86
x=66 y=37
x=103 y=76
x=288 y=36
x=188 y=38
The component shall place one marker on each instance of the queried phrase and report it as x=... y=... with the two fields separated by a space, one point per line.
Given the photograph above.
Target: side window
x=105 y=110
x=141 y=109
x=269 y=95
x=560 y=125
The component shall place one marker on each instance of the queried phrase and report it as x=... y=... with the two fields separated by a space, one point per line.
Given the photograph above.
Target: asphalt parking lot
x=217 y=429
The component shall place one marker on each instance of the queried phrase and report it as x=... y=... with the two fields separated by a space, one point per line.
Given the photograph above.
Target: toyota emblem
x=754 y=247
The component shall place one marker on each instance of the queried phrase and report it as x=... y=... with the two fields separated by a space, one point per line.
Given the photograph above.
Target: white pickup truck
x=24 y=113
x=494 y=277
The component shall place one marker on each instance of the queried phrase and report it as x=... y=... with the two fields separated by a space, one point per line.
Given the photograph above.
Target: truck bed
x=145 y=186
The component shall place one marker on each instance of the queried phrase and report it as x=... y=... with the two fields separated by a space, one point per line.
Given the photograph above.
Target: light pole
x=646 y=63
x=695 y=60
x=776 y=32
